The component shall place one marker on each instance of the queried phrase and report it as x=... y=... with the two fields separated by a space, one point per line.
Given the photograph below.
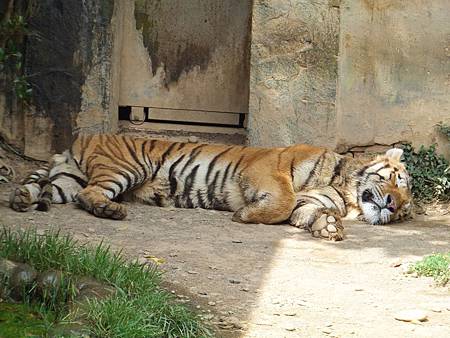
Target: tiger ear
x=394 y=153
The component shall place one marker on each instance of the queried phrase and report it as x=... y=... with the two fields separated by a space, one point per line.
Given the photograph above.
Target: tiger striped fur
x=312 y=187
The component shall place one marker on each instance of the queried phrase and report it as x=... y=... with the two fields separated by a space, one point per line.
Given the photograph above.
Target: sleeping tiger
x=308 y=186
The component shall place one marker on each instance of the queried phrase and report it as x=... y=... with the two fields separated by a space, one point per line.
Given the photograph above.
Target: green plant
x=444 y=129
x=436 y=266
x=13 y=29
x=139 y=307
x=430 y=173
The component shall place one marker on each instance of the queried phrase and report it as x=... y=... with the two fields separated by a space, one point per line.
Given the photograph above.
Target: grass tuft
x=139 y=308
x=436 y=266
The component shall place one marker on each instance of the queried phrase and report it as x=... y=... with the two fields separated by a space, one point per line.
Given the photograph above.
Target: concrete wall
x=293 y=72
x=69 y=59
x=394 y=71
x=393 y=77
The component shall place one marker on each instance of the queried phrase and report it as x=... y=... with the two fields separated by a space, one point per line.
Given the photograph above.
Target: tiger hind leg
x=270 y=203
x=27 y=196
x=58 y=182
x=319 y=221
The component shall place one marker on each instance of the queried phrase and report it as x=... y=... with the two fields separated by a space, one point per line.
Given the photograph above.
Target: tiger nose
x=390 y=203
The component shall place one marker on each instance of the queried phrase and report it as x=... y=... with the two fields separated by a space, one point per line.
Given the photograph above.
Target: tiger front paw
x=328 y=226
x=21 y=199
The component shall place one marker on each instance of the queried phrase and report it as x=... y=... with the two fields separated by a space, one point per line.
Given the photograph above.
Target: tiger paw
x=21 y=199
x=328 y=226
x=111 y=210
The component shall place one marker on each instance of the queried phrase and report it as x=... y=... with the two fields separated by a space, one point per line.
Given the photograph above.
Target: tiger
x=306 y=186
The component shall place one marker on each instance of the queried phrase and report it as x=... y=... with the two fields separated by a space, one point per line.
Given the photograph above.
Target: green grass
x=436 y=266
x=140 y=308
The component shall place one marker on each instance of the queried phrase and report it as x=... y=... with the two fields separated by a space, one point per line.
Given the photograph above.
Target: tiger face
x=384 y=190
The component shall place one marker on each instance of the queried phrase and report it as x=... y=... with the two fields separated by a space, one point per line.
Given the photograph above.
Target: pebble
x=327 y=331
x=212 y=303
x=290 y=314
x=324 y=233
x=245 y=289
x=236 y=241
x=235 y=322
x=192 y=272
x=193 y=139
x=234 y=281
x=290 y=328
x=411 y=315
x=203 y=293
x=331 y=219
x=91 y=229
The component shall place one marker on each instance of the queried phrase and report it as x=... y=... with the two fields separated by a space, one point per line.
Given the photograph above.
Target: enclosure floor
x=274 y=281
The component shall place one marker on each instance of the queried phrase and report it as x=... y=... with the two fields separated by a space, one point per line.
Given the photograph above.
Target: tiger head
x=384 y=189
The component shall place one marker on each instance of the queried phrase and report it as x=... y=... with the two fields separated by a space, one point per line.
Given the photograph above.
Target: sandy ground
x=274 y=281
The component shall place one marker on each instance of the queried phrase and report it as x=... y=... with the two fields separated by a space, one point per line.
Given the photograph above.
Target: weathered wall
x=68 y=61
x=394 y=71
x=293 y=72
x=186 y=54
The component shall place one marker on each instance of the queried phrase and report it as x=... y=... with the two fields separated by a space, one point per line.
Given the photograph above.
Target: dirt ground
x=274 y=281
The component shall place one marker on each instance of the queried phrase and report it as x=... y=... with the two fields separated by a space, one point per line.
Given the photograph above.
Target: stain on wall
x=187 y=54
x=68 y=62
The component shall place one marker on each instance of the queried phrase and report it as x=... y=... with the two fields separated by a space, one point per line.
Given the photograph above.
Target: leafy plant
x=13 y=29
x=430 y=173
x=444 y=129
x=436 y=266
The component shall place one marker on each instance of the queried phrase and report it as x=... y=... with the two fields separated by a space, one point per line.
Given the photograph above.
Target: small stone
x=290 y=328
x=331 y=219
x=245 y=289
x=192 y=272
x=90 y=229
x=235 y=322
x=193 y=139
x=290 y=314
x=198 y=307
x=234 y=281
x=324 y=233
x=327 y=331
x=212 y=303
x=411 y=315
x=236 y=241
x=359 y=289
x=331 y=228
x=316 y=233
x=436 y=309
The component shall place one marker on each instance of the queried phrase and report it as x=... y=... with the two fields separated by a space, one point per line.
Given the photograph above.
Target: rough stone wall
x=394 y=71
x=293 y=72
x=68 y=61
